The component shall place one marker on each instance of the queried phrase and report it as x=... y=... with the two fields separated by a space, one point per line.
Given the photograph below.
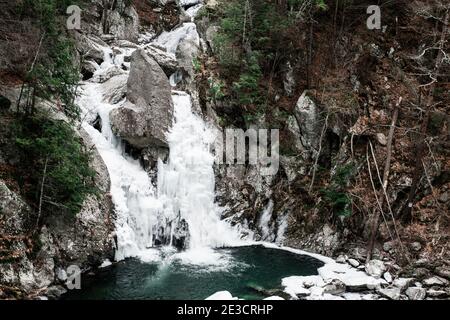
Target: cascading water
x=184 y=199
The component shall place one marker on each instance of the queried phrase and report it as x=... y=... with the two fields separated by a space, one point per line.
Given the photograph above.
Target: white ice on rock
x=221 y=295
x=311 y=287
x=185 y=184
x=171 y=40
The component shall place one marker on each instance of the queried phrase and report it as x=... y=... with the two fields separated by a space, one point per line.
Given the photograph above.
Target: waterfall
x=183 y=201
x=186 y=183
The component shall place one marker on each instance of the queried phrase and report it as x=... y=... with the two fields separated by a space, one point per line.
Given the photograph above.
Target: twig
x=42 y=193
x=325 y=126
x=384 y=183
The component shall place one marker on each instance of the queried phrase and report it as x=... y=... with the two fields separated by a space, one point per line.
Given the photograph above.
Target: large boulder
x=166 y=60
x=146 y=117
x=305 y=125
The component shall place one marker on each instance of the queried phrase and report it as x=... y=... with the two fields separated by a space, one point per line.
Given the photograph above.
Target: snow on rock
x=353 y=279
x=274 y=298
x=105 y=264
x=300 y=285
x=221 y=295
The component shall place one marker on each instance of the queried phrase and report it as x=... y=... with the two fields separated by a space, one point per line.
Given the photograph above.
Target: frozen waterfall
x=184 y=198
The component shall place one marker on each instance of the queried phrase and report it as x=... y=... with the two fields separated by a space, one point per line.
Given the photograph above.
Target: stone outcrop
x=147 y=115
x=165 y=60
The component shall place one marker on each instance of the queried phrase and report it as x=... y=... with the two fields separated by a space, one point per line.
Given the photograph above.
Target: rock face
x=146 y=117
x=307 y=116
x=85 y=240
x=123 y=22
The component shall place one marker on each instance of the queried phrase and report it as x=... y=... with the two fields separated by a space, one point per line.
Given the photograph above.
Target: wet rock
x=55 y=292
x=115 y=89
x=416 y=293
x=88 y=69
x=147 y=116
x=108 y=74
x=375 y=268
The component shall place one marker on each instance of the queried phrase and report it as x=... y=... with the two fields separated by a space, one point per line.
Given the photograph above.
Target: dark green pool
x=246 y=268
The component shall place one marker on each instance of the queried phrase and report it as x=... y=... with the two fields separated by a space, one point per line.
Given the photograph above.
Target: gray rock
x=307 y=115
x=390 y=293
x=388 y=277
x=354 y=263
x=375 y=268
x=335 y=287
x=187 y=51
x=289 y=81
x=359 y=253
x=211 y=33
x=416 y=293
x=54 y=292
x=435 y=281
x=443 y=272
x=341 y=259
x=108 y=74
x=444 y=197
x=416 y=246
x=90 y=47
x=402 y=283
x=122 y=22
x=381 y=138
x=115 y=89
x=388 y=246
x=61 y=274
x=146 y=118
x=165 y=60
